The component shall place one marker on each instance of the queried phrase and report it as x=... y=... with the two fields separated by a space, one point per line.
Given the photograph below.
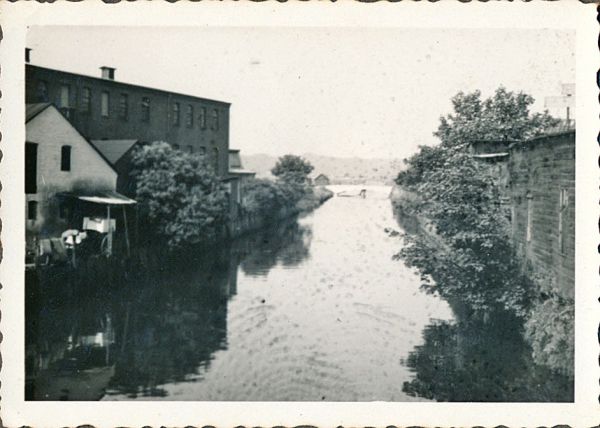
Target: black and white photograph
x=230 y=213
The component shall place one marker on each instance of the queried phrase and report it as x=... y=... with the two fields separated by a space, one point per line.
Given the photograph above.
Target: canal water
x=313 y=309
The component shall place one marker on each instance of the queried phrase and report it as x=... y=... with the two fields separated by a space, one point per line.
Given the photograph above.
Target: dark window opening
x=202 y=150
x=189 y=116
x=105 y=104
x=215 y=120
x=42 y=91
x=175 y=120
x=145 y=109
x=65 y=95
x=124 y=106
x=65 y=158
x=30 y=168
x=176 y=146
x=63 y=210
x=32 y=208
x=202 y=118
x=190 y=149
x=86 y=100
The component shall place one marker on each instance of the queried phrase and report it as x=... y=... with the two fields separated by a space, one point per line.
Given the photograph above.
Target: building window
x=202 y=118
x=32 y=209
x=30 y=168
x=215 y=120
x=190 y=149
x=216 y=160
x=175 y=119
x=189 y=116
x=104 y=104
x=146 y=109
x=529 y=217
x=63 y=210
x=562 y=213
x=65 y=95
x=176 y=146
x=202 y=150
x=86 y=100
x=124 y=106
x=65 y=158
x=41 y=92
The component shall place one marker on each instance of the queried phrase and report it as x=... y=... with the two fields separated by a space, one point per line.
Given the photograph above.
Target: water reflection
x=482 y=360
x=288 y=245
x=472 y=360
x=314 y=309
x=161 y=324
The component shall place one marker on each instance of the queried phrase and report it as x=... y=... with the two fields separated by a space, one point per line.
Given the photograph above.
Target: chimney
x=27 y=55
x=108 y=73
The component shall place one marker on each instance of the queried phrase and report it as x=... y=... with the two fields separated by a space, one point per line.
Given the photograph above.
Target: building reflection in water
x=112 y=331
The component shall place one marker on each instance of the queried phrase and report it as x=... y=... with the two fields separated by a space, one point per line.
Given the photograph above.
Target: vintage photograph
x=299 y=214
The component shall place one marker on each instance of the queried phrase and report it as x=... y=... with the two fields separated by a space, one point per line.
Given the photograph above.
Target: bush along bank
x=266 y=201
x=468 y=255
x=183 y=204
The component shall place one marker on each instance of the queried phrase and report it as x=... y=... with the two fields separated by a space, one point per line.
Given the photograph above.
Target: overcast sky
x=339 y=91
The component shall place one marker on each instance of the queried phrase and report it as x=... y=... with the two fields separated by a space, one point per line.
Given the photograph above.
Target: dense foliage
x=268 y=198
x=550 y=327
x=469 y=256
x=505 y=116
x=289 y=192
x=292 y=168
x=474 y=260
x=183 y=201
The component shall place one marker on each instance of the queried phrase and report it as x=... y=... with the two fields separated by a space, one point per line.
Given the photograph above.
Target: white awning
x=107 y=197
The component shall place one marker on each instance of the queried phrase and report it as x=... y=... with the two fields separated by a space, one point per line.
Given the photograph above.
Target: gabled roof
x=32 y=110
x=113 y=150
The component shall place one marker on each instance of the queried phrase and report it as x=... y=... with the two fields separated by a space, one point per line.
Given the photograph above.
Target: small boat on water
x=345 y=194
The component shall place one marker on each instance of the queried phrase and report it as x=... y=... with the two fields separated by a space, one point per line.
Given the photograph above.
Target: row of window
x=123 y=106
x=189 y=117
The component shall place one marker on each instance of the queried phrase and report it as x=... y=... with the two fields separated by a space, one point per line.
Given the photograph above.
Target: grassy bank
x=313 y=198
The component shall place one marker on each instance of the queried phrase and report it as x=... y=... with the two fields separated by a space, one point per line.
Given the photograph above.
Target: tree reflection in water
x=285 y=243
x=161 y=324
x=481 y=361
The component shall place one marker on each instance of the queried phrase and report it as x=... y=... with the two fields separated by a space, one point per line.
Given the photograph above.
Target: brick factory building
x=102 y=108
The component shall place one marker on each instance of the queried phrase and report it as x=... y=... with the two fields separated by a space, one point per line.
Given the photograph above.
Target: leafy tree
x=505 y=116
x=184 y=202
x=292 y=168
x=472 y=259
x=267 y=197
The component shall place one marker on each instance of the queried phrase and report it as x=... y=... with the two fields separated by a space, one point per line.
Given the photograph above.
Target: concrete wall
x=201 y=135
x=539 y=171
x=50 y=131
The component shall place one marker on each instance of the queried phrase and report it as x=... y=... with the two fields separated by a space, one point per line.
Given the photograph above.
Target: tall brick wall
x=203 y=134
x=542 y=194
x=50 y=131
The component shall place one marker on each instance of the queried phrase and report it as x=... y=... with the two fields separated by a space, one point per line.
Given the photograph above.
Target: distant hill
x=339 y=170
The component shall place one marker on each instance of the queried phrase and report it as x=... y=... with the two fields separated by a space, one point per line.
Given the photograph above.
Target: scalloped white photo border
x=565 y=14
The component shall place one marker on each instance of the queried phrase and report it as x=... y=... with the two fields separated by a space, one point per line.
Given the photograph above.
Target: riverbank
x=455 y=270
x=314 y=198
